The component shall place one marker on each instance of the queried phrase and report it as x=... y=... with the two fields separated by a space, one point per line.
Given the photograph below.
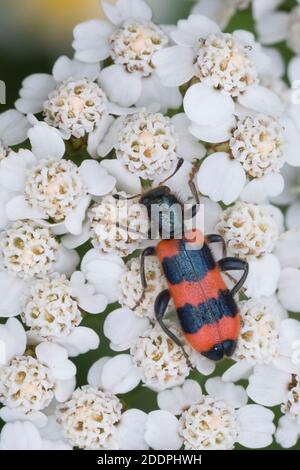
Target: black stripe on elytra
x=192 y=317
x=188 y=265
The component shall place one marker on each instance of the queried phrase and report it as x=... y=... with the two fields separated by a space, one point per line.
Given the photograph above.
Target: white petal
x=195 y=27
x=292 y=142
x=181 y=398
x=74 y=220
x=262 y=100
x=19 y=209
x=221 y=178
x=64 y=389
x=259 y=190
x=20 y=436
x=208 y=107
x=154 y=91
x=203 y=365
x=131 y=430
x=10 y=415
x=218 y=10
x=91 y=41
x=293 y=216
x=277 y=68
x=96 y=137
x=46 y=142
x=119 y=375
x=287 y=249
x=65 y=68
x=93 y=303
x=125 y=9
x=13 y=127
x=104 y=273
x=288 y=431
x=74 y=241
x=126 y=181
x=11 y=291
x=162 y=431
x=294 y=69
x=174 y=65
x=132 y=327
x=188 y=146
x=56 y=357
x=34 y=92
x=240 y=370
x=273 y=27
x=80 y=341
x=66 y=261
x=288 y=289
x=261 y=8
x=263 y=276
x=95 y=373
x=96 y=178
x=13 y=170
x=12 y=340
x=129 y=87
x=268 y=385
x=257 y=428
x=234 y=395
x=213 y=134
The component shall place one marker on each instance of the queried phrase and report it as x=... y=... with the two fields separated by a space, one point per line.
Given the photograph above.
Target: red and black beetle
x=206 y=308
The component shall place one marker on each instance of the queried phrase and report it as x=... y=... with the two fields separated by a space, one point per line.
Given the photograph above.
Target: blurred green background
x=33 y=33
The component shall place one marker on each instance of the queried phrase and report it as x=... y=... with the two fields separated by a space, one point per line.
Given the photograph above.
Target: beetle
x=206 y=309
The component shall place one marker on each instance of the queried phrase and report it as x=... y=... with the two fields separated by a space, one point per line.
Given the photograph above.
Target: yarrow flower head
x=76 y=107
x=28 y=250
x=225 y=63
x=26 y=384
x=132 y=290
x=50 y=308
x=89 y=418
x=118 y=225
x=134 y=43
x=147 y=144
x=249 y=230
x=209 y=425
x=161 y=362
x=55 y=187
x=257 y=142
x=291 y=404
x=260 y=328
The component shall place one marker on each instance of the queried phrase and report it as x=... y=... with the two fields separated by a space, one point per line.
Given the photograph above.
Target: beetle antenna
x=118 y=197
x=178 y=166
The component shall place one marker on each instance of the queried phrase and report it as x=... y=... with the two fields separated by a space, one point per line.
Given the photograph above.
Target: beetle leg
x=149 y=251
x=235 y=264
x=160 y=307
x=213 y=238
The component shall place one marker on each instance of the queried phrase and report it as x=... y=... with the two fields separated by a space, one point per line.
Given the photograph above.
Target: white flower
x=288 y=431
x=288 y=252
x=89 y=418
x=118 y=226
x=47 y=187
x=249 y=230
x=28 y=250
x=52 y=311
x=103 y=271
x=130 y=39
x=160 y=361
x=13 y=129
x=272 y=387
x=25 y=436
x=26 y=384
x=216 y=421
x=132 y=291
x=148 y=145
x=30 y=383
x=257 y=143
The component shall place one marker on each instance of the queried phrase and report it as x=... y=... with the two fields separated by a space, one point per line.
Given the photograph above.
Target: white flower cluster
x=115 y=120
